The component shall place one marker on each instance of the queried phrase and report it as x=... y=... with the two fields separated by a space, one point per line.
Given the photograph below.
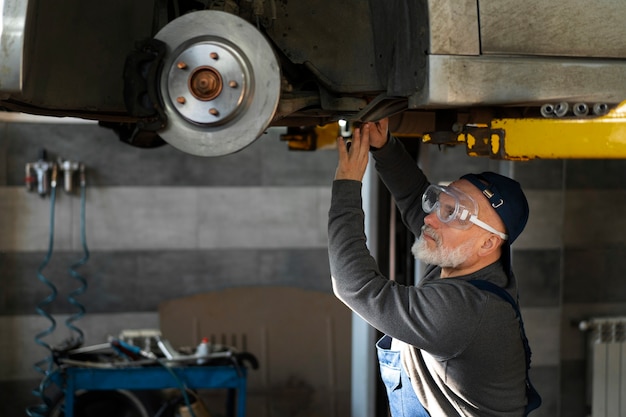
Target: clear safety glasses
x=455 y=208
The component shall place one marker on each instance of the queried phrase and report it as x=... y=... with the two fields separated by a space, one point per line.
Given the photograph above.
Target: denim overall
x=402 y=399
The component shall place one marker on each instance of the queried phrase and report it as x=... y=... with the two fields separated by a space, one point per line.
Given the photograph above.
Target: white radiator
x=606 y=382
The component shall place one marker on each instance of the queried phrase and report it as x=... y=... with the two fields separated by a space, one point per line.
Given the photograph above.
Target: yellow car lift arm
x=602 y=137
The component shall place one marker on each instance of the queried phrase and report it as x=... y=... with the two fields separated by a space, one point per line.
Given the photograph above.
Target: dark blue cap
x=506 y=197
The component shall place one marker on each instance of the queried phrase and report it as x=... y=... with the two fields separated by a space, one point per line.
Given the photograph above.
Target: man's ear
x=491 y=244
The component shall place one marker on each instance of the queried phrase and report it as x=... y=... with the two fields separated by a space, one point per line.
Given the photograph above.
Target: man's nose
x=432 y=220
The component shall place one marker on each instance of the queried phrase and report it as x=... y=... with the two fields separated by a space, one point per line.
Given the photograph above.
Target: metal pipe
x=363 y=335
x=547 y=110
x=600 y=109
x=561 y=109
x=580 y=109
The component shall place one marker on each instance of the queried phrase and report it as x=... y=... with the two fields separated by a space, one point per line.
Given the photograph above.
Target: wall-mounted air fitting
x=70 y=168
x=43 y=170
x=42 y=174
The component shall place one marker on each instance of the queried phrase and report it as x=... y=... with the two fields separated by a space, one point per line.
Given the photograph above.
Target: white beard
x=445 y=258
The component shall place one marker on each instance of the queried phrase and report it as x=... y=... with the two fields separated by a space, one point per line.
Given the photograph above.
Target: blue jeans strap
x=402 y=399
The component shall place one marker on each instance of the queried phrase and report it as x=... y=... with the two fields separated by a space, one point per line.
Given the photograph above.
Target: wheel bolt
x=214 y=111
x=181 y=65
x=214 y=56
x=233 y=84
x=181 y=100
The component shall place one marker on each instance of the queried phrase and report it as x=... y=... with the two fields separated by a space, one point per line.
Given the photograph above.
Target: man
x=450 y=348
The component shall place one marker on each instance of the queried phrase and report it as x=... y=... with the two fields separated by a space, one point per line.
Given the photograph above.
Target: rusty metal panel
x=538 y=27
x=12 y=23
x=334 y=40
x=497 y=80
x=75 y=52
x=453 y=27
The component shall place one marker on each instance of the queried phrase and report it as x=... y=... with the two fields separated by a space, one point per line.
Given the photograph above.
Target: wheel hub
x=205 y=83
x=197 y=82
x=220 y=83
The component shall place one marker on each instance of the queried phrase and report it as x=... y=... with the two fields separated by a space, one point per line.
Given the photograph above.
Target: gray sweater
x=461 y=345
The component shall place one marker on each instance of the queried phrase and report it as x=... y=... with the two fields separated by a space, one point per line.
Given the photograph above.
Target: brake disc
x=220 y=83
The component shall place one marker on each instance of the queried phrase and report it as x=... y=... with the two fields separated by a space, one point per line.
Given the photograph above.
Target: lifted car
x=209 y=77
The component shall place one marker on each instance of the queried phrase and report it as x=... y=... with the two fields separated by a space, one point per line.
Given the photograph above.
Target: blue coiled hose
x=46 y=366
x=51 y=369
x=72 y=270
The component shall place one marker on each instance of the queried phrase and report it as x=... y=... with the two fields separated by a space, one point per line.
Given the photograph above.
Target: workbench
x=233 y=378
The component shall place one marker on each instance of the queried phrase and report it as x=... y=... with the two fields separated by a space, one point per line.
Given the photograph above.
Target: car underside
x=209 y=77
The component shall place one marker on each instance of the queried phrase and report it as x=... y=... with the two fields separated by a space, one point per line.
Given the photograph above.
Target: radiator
x=606 y=372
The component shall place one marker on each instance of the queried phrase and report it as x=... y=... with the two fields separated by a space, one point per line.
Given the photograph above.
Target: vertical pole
x=363 y=335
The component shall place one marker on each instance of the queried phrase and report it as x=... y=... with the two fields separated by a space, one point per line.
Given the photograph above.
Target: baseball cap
x=508 y=200
x=506 y=197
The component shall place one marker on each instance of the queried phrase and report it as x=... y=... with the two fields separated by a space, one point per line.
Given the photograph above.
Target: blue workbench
x=232 y=378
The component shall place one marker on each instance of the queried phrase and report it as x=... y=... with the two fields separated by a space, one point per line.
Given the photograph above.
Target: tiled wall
x=161 y=224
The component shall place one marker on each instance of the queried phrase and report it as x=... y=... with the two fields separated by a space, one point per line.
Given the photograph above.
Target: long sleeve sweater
x=461 y=345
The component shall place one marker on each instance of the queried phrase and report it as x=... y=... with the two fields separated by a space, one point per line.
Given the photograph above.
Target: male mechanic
x=450 y=348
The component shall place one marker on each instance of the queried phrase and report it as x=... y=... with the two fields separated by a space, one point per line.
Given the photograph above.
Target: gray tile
x=544 y=229
x=542 y=329
x=281 y=167
x=140 y=280
x=168 y=218
x=538 y=275
x=449 y=163
x=573 y=401
x=304 y=268
x=605 y=174
x=25 y=223
x=262 y=217
x=31 y=279
x=323 y=205
x=110 y=162
x=602 y=267
x=142 y=218
x=168 y=275
x=590 y=218
x=107 y=274
x=540 y=174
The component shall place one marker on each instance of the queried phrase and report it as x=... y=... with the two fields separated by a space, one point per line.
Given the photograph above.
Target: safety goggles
x=454 y=208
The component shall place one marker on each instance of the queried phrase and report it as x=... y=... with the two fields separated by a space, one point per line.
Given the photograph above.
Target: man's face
x=431 y=249
x=445 y=244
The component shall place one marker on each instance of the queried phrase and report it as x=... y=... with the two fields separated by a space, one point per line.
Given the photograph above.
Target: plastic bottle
x=202 y=351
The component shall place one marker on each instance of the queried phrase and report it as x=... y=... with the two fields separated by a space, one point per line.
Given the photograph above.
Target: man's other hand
x=353 y=159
